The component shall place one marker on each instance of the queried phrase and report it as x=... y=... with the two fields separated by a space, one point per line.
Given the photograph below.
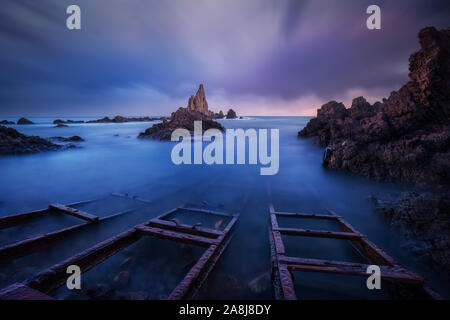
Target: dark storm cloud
x=146 y=57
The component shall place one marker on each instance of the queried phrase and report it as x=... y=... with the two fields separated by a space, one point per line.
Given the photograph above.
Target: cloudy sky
x=145 y=57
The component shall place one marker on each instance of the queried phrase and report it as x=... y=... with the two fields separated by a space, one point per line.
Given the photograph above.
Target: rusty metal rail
x=282 y=265
x=32 y=244
x=215 y=241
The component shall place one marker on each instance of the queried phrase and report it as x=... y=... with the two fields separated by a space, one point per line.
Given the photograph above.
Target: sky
x=260 y=57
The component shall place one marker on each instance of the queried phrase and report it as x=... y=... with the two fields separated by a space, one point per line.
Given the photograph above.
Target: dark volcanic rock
x=59 y=121
x=70 y=139
x=219 y=115
x=61 y=125
x=24 y=121
x=407 y=136
x=424 y=220
x=13 y=142
x=6 y=122
x=182 y=118
x=231 y=114
x=120 y=119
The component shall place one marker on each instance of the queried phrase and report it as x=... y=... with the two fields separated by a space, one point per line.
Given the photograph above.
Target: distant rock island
x=197 y=109
x=24 y=121
x=405 y=137
x=12 y=142
x=6 y=122
x=120 y=119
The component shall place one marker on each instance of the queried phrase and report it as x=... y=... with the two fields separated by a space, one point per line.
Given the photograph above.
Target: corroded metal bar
x=74 y=212
x=319 y=233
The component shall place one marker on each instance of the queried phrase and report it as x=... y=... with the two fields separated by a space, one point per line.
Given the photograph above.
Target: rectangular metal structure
x=213 y=240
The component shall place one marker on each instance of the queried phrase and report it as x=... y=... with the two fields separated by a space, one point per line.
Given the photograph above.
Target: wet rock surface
x=406 y=137
x=423 y=219
x=12 y=142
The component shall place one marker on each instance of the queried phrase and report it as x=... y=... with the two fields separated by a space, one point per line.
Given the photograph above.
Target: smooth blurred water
x=112 y=159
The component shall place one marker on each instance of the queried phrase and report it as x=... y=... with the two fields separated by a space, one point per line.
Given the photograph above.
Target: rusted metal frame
x=24 y=247
x=171 y=225
x=285 y=287
x=14 y=220
x=318 y=233
x=74 y=212
x=217 y=213
x=56 y=276
x=364 y=246
x=306 y=215
x=198 y=274
x=176 y=236
x=395 y=273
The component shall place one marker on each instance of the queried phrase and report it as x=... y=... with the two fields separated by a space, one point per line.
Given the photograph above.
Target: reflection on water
x=113 y=160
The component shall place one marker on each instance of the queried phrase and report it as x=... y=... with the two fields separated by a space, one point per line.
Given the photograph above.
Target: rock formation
x=231 y=114
x=24 y=121
x=407 y=136
x=197 y=110
x=198 y=102
x=6 y=122
x=120 y=119
x=182 y=118
x=59 y=121
x=69 y=139
x=219 y=115
x=13 y=142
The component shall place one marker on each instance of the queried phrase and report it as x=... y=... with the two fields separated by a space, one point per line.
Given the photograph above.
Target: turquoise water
x=112 y=159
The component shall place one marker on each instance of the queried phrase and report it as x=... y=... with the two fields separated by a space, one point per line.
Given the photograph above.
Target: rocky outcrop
x=183 y=118
x=231 y=114
x=13 y=142
x=407 y=136
x=6 y=122
x=120 y=119
x=24 y=121
x=198 y=102
x=69 y=139
x=424 y=221
x=59 y=121
x=219 y=115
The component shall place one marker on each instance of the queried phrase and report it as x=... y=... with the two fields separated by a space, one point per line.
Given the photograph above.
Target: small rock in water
x=122 y=279
x=99 y=291
x=260 y=283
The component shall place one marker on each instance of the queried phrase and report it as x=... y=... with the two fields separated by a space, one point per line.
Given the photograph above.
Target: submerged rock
x=424 y=220
x=121 y=279
x=70 y=139
x=405 y=137
x=24 y=121
x=13 y=142
x=260 y=284
x=60 y=125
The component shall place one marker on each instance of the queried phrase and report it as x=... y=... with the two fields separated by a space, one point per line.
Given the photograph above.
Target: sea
x=113 y=160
